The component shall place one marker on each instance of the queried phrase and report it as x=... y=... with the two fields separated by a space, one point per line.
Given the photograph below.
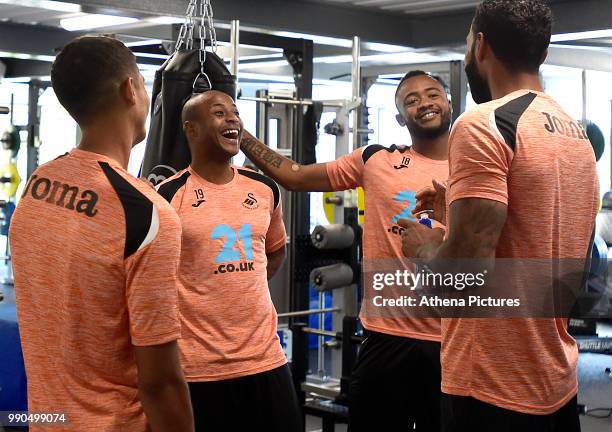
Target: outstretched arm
x=290 y=175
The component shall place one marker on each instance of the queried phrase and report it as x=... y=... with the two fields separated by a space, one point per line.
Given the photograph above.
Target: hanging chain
x=211 y=25
x=199 y=13
x=185 y=36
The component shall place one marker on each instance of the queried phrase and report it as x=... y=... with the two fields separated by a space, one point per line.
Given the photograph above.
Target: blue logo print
x=229 y=251
x=408 y=198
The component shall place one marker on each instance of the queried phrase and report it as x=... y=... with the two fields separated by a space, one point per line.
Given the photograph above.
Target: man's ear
x=480 y=46
x=127 y=89
x=190 y=129
x=544 y=56
x=400 y=120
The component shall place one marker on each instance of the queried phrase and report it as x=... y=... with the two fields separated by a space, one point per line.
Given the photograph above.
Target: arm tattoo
x=264 y=155
x=271 y=158
x=247 y=143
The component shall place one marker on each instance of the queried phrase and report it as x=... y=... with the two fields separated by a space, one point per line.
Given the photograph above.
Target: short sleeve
x=276 y=237
x=347 y=171
x=479 y=160
x=152 y=283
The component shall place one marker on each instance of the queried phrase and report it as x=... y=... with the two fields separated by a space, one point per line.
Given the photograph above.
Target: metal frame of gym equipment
x=7 y=256
x=35 y=90
x=296 y=135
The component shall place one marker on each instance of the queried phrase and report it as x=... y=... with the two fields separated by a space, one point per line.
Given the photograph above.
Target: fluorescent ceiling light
x=595 y=34
x=45 y=4
x=400 y=57
x=149 y=55
x=341 y=42
x=147 y=67
x=257 y=47
x=144 y=42
x=343 y=58
x=321 y=40
x=265 y=64
x=260 y=56
x=391 y=76
x=387 y=48
x=92 y=21
x=579 y=48
x=268 y=78
x=406 y=57
x=25 y=80
x=264 y=49
x=334 y=83
x=45 y=58
x=166 y=20
x=387 y=81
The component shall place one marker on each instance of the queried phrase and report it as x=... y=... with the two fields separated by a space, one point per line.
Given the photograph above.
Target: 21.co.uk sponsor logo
x=230 y=257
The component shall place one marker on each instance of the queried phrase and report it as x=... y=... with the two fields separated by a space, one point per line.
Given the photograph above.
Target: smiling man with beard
x=422 y=108
x=518 y=189
x=233 y=243
x=396 y=380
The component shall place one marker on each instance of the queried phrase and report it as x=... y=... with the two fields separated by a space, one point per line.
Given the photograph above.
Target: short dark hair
x=414 y=73
x=518 y=31
x=86 y=72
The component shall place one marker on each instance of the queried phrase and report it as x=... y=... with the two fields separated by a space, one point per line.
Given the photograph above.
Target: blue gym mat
x=13 y=387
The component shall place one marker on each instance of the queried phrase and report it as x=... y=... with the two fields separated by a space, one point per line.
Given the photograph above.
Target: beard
x=478 y=85
x=420 y=132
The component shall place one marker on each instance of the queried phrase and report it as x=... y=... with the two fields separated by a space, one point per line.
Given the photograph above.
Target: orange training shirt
x=95 y=254
x=525 y=151
x=390 y=177
x=228 y=320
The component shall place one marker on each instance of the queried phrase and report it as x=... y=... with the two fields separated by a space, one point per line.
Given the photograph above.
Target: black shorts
x=466 y=414
x=262 y=402
x=395 y=385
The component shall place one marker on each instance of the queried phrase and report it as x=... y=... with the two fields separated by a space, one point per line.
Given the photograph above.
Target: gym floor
x=596 y=386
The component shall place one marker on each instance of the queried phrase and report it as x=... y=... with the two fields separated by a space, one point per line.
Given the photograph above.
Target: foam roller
x=337 y=236
x=331 y=277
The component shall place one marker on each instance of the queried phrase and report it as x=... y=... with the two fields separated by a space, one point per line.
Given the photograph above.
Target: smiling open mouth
x=428 y=115
x=231 y=134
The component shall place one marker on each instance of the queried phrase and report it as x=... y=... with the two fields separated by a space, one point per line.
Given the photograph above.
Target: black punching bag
x=167 y=151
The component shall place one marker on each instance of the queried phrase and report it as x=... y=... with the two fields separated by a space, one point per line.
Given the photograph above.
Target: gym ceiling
x=393 y=31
